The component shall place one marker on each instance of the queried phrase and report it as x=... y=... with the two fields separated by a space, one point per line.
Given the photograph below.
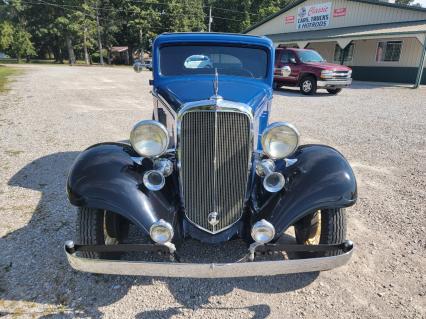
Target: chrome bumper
x=334 y=83
x=172 y=269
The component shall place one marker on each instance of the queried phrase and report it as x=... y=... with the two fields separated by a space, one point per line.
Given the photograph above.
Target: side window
x=285 y=57
x=344 y=55
x=389 y=51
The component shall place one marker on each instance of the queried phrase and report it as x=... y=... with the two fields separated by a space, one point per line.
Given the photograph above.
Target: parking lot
x=51 y=113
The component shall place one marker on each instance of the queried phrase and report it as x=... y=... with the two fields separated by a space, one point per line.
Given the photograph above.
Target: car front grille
x=214 y=154
x=341 y=75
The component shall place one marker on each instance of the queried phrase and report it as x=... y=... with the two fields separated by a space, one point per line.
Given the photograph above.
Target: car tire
x=334 y=91
x=308 y=85
x=100 y=227
x=327 y=226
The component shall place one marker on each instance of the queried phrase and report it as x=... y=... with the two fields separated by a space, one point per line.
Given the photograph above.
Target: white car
x=198 y=62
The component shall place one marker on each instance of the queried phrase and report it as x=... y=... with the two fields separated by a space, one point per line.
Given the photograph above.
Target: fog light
x=154 y=180
x=263 y=232
x=161 y=232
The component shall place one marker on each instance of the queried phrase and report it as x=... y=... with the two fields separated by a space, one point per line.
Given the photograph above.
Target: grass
x=5 y=73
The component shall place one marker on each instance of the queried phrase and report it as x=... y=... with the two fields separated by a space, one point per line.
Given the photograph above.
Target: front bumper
x=212 y=270
x=332 y=83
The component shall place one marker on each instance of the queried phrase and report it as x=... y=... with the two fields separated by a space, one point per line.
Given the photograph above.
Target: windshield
x=204 y=59
x=309 y=56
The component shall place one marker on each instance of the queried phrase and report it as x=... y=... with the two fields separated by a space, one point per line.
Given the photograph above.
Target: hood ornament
x=213 y=219
x=216 y=96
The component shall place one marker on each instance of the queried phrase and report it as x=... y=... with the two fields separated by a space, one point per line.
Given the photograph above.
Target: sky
x=422 y=2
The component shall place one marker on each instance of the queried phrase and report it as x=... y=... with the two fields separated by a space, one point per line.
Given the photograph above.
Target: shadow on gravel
x=200 y=293
x=34 y=270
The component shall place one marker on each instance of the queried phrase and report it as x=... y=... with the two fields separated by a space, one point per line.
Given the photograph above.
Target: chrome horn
x=273 y=181
x=155 y=179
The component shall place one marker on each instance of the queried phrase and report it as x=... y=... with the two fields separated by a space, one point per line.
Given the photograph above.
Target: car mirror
x=293 y=60
x=197 y=62
x=285 y=71
x=138 y=66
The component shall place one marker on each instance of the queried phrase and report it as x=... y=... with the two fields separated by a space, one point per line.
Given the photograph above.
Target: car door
x=285 y=60
x=295 y=66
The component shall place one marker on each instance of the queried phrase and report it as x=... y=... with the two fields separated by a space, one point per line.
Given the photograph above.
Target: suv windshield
x=204 y=59
x=309 y=56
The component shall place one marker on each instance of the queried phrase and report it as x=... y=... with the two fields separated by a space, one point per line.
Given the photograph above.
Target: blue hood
x=181 y=90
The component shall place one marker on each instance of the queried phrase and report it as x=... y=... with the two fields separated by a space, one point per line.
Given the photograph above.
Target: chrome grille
x=341 y=75
x=208 y=185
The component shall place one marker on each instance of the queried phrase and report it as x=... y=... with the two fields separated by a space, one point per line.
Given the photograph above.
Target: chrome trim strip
x=213 y=270
x=213 y=105
x=331 y=82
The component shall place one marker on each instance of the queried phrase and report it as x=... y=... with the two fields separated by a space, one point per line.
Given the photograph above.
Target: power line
x=41 y=2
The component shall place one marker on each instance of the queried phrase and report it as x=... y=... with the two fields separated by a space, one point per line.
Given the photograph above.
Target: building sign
x=314 y=16
x=289 y=19
x=340 y=12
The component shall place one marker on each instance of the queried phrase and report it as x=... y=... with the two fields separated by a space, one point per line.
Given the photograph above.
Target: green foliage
x=236 y=16
x=62 y=28
x=15 y=41
x=21 y=44
x=6 y=35
x=406 y=2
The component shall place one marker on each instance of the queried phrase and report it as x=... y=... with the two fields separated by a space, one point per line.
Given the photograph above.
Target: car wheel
x=100 y=227
x=308 y=85
x=327 y=226
x=334 y=91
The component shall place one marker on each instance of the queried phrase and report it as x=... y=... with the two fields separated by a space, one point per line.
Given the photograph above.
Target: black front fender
x=107 y=176
x=320 y=178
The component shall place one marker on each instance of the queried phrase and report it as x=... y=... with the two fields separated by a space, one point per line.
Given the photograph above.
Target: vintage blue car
x=210 y=167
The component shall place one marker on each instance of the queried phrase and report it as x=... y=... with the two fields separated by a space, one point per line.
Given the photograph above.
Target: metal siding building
x=380 y=41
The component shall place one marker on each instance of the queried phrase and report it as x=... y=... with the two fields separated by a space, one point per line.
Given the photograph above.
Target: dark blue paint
x=106 y=177
x=321 y=178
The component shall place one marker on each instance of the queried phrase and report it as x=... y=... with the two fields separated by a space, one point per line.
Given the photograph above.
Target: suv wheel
x=308 y=85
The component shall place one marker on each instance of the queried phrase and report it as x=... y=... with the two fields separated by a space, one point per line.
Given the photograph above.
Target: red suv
x=308 y=70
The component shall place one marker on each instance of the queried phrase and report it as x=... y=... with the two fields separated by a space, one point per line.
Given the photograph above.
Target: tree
x=21 y=44
x=406 y=2
x=14 y=39
x=6 y=35
x=236 y=16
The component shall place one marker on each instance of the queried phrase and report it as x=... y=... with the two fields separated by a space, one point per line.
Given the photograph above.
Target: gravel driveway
x=53 y=112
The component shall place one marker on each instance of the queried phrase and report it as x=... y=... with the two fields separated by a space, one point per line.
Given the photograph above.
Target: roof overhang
x=344 y=35
x=295 y=3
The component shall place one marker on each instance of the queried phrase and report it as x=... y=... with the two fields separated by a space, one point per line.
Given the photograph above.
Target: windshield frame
x=264 y=77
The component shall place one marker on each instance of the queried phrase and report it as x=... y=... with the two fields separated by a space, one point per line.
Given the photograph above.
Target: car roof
x=226 y=38
x=293 y=49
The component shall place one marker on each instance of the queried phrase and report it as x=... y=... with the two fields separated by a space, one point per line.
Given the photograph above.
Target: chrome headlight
x=149 y=138
x=161 y=232
x=263 y=232
x=279 y=140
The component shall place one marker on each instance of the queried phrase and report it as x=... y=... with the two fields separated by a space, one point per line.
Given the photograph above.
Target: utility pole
x=210 y=19
x=101 y=58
